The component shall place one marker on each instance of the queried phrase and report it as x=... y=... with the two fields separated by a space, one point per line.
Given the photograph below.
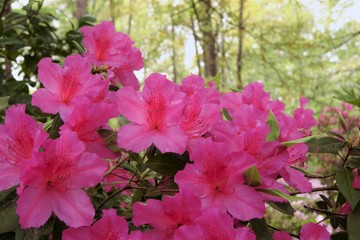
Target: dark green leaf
x=348 y=94
x=326 y=200
x=336 y=135
x=353 y=162
x=87 y=20
x=343 y=122
x=167 y=164
x=4 y=102
x=353 y=221
x=274 y=128
x=59 y=227
x=345 y=179
x=334 y=222
x=153 y=192
x=325 y=145
x=279 y=193
x=252 y=177
x=339 y=236
x=261 y=229
x=284 y=207
x=8 y=218
x=300 y=140
x=322 y=205
x=138 y=195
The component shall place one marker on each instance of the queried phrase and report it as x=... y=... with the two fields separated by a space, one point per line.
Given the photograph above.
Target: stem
x=325 y=211
x=112 y=195
x=317 y=190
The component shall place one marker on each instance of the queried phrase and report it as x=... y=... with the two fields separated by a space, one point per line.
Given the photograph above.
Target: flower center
x=156 y=110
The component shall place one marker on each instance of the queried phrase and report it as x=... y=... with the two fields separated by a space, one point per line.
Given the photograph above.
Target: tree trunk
x=209 y=41
x=173 y=57
x=81 y=8
x=196 y=39
x=204 y=16
x=239 y=59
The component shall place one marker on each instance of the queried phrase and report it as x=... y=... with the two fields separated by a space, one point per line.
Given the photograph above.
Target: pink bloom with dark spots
x=213 y=224
x=113 y=49
x=216 y=177
x=109 y=227
x=65 y=85
x=20 y=138
x=165 y=217
x=54 y=180
x=155 y=115
x=86 y=119
x=312 y=231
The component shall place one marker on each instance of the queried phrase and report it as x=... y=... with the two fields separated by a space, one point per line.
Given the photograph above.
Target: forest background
x=296 y=48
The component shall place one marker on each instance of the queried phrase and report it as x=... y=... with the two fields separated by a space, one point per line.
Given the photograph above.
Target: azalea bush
x=183 y=161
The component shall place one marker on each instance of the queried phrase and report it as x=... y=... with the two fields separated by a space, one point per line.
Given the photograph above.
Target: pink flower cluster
x=230 y=138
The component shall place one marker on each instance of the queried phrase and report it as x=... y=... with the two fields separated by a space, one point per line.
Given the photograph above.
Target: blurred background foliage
x=296 y=47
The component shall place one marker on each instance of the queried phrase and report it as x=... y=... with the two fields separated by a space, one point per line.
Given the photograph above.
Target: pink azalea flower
x=109 y=227
x=212 y=224
x=165 y=217
x=54 y=180
x=280 y=235
x=312 y=231
x=154 y=114
x=202 y=110
x=20 y=138
x=216 y=178
x=113 y=49
x=85 y=120
x=64 y=85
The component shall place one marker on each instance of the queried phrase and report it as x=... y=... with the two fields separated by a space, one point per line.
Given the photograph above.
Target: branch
x=335 y=188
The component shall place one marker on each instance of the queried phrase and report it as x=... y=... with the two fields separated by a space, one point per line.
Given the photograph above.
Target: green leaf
x=4 y=102
x=339 y=236
x=336 y=135
x=353 y=162
x=167 y=164
x=353 y=223
x=348 y=94
x=343 y=123
x=217 y=79
x=278 y=193
x=274 y=128
x=8 y=217
x=261 y=229
x=87 y=20
x=252 y=177
x=345 y=179
x=300 y=140
x=59 y=227
x=325 y=145
x=80 y=48
x=283 y=207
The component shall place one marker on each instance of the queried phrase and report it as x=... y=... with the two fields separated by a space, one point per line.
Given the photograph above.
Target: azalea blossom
x=216 y=177
x=54 y=180
x=213 y=224
x=312 y=231
x=114 y=50
x=65 y=85
x=165 y=217
x=20 y=138
x=154 y=116
x=109 y=227
x=86 y=119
